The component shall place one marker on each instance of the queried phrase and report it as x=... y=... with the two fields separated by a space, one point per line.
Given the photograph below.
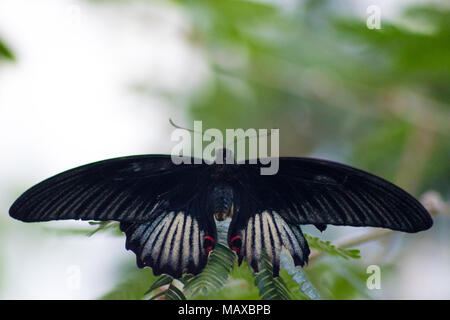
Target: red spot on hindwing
x=208 y=244
x=236 y=243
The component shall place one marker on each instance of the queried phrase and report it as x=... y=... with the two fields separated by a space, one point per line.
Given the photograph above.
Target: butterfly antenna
x=190 y=130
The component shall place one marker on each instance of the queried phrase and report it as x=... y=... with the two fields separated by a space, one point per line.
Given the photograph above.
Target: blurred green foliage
x=5 y=52
x=133 y=287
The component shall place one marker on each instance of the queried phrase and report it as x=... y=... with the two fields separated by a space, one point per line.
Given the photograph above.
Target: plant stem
x=351 y=242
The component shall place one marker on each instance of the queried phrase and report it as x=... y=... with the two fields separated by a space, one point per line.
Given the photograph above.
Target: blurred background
x=82 y=81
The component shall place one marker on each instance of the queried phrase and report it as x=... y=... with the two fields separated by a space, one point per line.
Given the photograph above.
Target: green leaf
x=171 y=293
x=239 y=286
x=327 y=247
x=294 y=287
x=296 y=279
x=215 y=274
x=163 y=280
x=270 y=287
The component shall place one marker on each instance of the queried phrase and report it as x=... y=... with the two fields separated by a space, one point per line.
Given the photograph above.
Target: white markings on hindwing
x=186 y=243
x=173 y=252
x=269 y=232
x=161 y=237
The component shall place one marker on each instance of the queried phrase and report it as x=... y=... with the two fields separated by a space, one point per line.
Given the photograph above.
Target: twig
x=351 y=242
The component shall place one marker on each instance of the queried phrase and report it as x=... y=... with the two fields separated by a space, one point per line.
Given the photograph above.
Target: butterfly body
x=168 y=211
x=221 y=201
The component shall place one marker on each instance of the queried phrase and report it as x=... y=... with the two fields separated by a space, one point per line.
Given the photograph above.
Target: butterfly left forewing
x=123 y=189
x=160 y=206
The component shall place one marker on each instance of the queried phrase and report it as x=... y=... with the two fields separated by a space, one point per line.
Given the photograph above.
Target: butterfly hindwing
x=175 y=242
x=254 y=230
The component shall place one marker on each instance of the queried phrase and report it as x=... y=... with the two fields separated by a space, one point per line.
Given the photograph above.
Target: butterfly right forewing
x=321 y=192
x=271 y=208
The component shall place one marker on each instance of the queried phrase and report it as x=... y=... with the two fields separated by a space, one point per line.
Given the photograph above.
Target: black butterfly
x=168 y=211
